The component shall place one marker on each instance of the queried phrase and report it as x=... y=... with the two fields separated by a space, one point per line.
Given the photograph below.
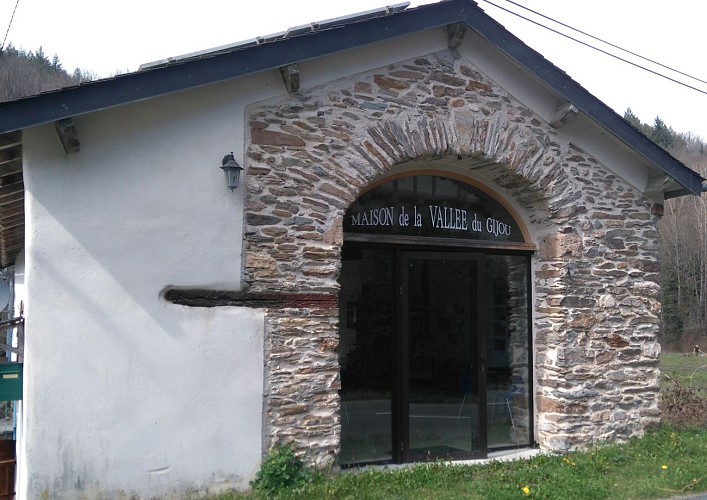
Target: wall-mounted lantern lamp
x=232 y=170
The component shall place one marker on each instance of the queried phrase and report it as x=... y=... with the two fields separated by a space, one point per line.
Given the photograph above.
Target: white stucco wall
x=126 y=393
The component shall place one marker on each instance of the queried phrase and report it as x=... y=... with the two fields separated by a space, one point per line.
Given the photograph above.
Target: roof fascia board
x=134 y=87
x=476 y=19
x=676 y=194
x=192 y=73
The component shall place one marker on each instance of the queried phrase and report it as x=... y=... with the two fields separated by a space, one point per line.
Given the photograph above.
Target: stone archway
x=311 y=154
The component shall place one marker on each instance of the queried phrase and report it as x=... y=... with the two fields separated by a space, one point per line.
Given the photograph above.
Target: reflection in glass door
x=440 y=331
x=366 y=354
x=507 y=352
x=434 y=354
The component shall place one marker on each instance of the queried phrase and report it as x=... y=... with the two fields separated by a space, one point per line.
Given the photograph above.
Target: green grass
x=630 y=471
x=689 y=370
x=667 y=462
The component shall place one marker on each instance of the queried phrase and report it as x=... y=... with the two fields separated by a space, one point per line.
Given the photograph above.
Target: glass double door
x=414 y=329
x=441 y=378
x=433 y=351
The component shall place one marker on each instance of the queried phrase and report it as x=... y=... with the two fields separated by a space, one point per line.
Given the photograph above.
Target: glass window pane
x=442 y=336
x=365 y=354
x=507 y=348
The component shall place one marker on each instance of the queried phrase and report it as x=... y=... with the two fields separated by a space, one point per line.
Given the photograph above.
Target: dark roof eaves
x=573 y=92
x=192 y=73
x=209 y=69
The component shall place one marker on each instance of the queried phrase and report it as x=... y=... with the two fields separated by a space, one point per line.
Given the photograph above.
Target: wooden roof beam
x=455 y=35
x=69 y=137
x=12 y=188
x=11 y=166
x=13 y=197
x=290 y=76
x=7 y=142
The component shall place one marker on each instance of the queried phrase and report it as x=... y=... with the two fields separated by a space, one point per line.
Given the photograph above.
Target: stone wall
x=518 y=355
x=596 y=311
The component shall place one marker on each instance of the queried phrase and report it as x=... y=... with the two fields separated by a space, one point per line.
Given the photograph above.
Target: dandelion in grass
x=526 y=491
x=664 y=467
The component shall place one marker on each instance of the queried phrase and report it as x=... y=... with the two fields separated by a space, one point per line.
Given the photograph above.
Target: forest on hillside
x=683 y=245
x=24 y=73
x=683 y=229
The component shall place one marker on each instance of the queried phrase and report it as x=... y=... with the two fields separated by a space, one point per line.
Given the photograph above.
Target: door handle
x=482 y=363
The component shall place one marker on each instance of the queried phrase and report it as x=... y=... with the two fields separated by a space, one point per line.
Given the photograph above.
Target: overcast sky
x=108 y=37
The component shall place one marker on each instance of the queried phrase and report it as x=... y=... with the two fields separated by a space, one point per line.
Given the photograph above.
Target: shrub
x=281 y=470
x=684 y=407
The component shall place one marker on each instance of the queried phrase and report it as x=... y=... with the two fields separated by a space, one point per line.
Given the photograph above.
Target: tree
x=662 y=135
x=644 y=128
x=633 y=119
x=683 y=244
x=28 y=73
x=683 y=231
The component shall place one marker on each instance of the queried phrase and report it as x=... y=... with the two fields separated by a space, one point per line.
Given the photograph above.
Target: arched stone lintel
x=480 y=141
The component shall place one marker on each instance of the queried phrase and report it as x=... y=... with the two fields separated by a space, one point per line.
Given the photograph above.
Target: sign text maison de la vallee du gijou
x=434 y=216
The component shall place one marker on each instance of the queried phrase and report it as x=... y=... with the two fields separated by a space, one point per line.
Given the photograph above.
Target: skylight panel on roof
x=289 y=33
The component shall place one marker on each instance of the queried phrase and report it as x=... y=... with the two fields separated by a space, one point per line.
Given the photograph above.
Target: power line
x=601 y=50
x=8 y=25
x=605 y=42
